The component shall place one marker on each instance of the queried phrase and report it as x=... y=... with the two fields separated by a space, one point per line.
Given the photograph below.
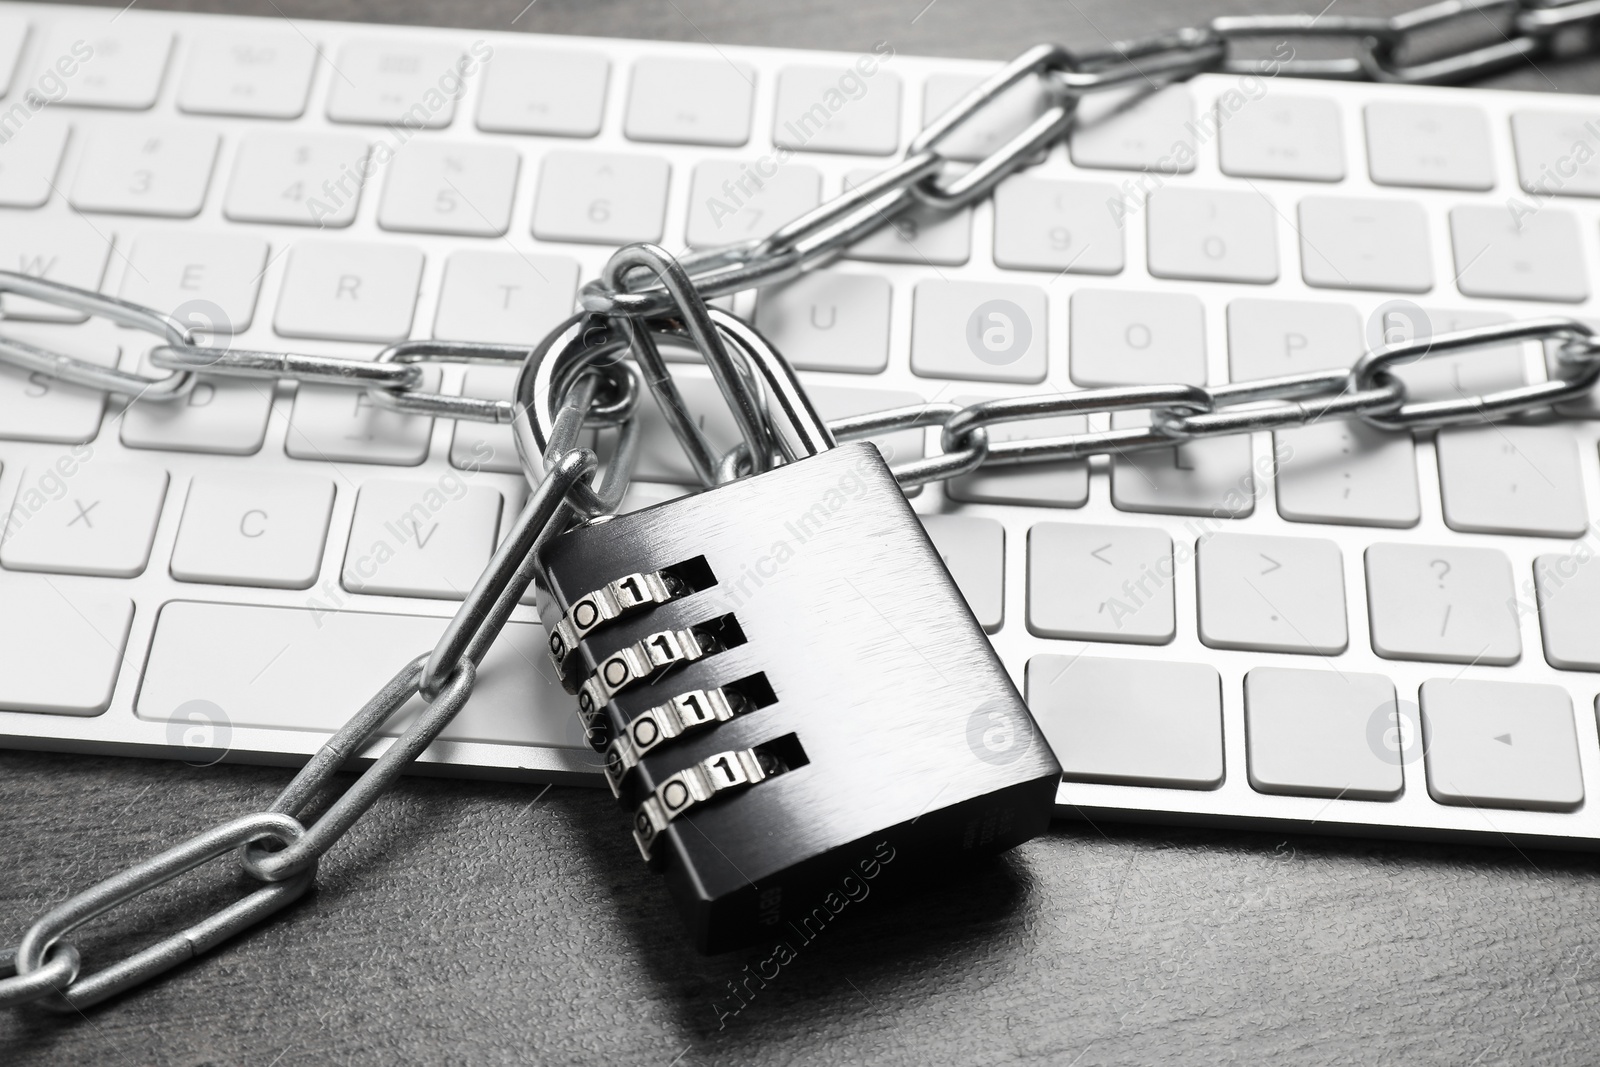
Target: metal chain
x=646 y=295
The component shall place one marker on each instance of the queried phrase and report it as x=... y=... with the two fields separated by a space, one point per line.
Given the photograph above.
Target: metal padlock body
x=878 y=669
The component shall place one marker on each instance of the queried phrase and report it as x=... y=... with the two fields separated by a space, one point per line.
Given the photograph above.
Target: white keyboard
x=1215 y=634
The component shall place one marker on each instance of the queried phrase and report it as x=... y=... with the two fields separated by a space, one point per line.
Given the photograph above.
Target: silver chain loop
x=645 y=294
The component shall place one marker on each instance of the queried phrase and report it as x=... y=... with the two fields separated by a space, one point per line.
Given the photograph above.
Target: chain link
x=645 y=295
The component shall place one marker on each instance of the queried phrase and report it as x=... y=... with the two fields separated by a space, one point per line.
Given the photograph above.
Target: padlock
x=791 y=694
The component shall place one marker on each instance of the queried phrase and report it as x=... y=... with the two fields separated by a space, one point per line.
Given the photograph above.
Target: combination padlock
x=788 y=686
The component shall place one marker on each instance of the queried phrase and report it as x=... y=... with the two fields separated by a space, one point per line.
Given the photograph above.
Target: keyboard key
x=208 y=281
x=978 y=332
x=1128 y=721
x=262 y=74
x=1309 y=734
x=1100 y=583
x=29 y=160
x=1272 y=594
x=424 y=539
x=661 y=457
x=504 y=297
x=228 y=417
x=61 y=645
x=450 y=187
x=1518 y=254
x=829 y=320
x=919 y=235
x=1041 y=224
x=1003 y=118
x=1446 y=604
x=843 y=401
x=387 y=83
x=1511 y=479
x=1446 y=376
x=690 y=101
x=600 y=198
x=1282 y=136
x=1269 y=338
x=975 y=552
x=1430 y=146
x=733 y=202
x=486 y=445
x=1059 y=483
x=333 y=424
x=1555 y=152
x=118 y=65
x=82 y=515
x=1136 y=338
x=258 y=528
x=1204 y=477
x=1501 y=745
x=1155 y=131
x=829 y=109
x=349 y=291
x=1568 y=591
x=1347 y=473
x=1213 y=235
x=290 y=668
x=558 y=93
x=1365 y=244
x=37 y=407
x=146 y=170
x=13 y=33
x=70 y=251
x=300 y=179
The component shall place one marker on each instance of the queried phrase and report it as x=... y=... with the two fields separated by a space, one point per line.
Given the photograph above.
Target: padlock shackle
x=811 y=433
x=693 y=315
x=584 y=341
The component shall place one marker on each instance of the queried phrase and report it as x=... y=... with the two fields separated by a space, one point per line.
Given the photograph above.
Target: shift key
x=312 y=668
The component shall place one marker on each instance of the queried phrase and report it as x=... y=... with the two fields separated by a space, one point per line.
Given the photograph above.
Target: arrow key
x=1500 y=745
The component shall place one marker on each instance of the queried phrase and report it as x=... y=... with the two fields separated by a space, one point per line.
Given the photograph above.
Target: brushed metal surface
x=879 y=668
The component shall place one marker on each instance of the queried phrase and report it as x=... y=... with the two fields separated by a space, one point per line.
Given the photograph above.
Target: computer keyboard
x=1260 y=630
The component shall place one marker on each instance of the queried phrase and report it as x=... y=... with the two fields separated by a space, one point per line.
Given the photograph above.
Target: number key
x=1041 y=224
x=600 y=198
x=735 y=202
x=918 y=235
x=443 y=187
x=297 y=179
x=146 y=170
x=1211 y=235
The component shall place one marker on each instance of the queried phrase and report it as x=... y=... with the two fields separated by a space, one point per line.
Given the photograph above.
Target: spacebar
x=302 y=669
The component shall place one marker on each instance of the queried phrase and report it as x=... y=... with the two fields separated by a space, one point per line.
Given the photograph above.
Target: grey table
x=471 y=922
